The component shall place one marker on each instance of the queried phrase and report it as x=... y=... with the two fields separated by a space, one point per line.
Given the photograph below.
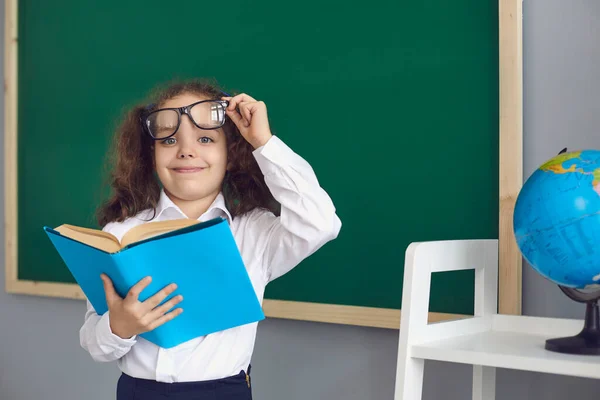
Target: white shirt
x=270 y=247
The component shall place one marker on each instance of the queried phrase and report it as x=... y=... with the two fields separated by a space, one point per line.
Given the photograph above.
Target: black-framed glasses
x=206 y=114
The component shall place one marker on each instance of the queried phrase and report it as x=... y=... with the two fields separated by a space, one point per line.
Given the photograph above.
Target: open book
x=202 y=258
x=110 y=244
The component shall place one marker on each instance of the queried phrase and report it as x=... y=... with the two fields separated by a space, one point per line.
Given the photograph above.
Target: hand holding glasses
x=249 y=115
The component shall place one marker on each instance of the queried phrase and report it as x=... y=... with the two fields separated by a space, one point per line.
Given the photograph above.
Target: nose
x=183 y=154
x=186 y=139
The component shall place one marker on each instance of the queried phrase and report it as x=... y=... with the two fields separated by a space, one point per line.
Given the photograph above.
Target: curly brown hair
x=134 y=183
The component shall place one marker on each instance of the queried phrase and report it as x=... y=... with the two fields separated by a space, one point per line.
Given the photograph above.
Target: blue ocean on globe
x=557 y=219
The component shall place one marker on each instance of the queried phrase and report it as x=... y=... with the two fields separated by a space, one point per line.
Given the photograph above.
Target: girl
x=194 y=153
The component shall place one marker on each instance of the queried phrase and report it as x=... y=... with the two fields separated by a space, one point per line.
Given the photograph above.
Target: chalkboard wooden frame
x=510 y=181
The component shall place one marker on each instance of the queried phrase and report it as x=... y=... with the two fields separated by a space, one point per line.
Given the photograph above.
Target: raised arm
x=308 y=217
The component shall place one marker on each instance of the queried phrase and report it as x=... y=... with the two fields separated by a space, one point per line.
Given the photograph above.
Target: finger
x=156 y=299
x=235 y=100
x=136 y=289
x=240 y=98
x=109 y=290
x=165 y=318
x=163 y=309
x=237 y=119
x=245 y=109
x=232 y=105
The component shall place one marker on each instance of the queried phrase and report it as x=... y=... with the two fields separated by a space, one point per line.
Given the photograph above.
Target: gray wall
x=39 y=352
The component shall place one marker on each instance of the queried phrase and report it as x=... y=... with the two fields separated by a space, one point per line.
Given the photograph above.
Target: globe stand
x=588 y=340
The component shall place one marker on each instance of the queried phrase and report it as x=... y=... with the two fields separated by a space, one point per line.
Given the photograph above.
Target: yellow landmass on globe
x=596 y=176
x=555 y=164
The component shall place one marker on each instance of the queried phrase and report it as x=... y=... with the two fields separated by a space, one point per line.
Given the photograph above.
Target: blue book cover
x=202 y=259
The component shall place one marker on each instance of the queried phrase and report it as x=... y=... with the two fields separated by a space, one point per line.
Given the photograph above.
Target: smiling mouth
x=188 y=170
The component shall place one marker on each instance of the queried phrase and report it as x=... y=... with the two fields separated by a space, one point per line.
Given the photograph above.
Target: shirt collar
x=169 y=210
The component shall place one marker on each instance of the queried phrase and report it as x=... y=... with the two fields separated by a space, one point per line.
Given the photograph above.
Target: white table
x=487 y=340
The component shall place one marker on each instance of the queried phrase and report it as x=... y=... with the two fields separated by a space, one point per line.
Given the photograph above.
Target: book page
x=151 y=229
x=92 y=237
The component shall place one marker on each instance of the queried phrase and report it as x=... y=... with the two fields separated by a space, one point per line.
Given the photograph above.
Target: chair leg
x=409 y=383
x=484 y=383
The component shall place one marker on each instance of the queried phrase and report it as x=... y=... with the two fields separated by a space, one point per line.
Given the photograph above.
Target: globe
x=557 y=219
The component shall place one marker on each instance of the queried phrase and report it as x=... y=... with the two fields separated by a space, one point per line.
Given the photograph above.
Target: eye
x=205 y=139
x=170 y=140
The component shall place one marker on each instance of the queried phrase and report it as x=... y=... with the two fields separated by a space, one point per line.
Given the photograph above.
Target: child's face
x=191 y=164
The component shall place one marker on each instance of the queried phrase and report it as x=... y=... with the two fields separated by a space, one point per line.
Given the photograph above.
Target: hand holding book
x=130 y=317
x=201 y=258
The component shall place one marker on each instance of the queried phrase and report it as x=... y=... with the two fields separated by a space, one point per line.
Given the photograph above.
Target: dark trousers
x=235 y=387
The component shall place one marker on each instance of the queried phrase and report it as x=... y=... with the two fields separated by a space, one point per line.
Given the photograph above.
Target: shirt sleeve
x=96 y=337
x=308 y=218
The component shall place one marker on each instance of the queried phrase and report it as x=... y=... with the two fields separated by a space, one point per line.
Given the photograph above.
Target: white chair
x=486 y=340
x=423 y=259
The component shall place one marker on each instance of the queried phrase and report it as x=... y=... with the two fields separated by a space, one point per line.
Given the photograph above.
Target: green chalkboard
x=394 y=103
